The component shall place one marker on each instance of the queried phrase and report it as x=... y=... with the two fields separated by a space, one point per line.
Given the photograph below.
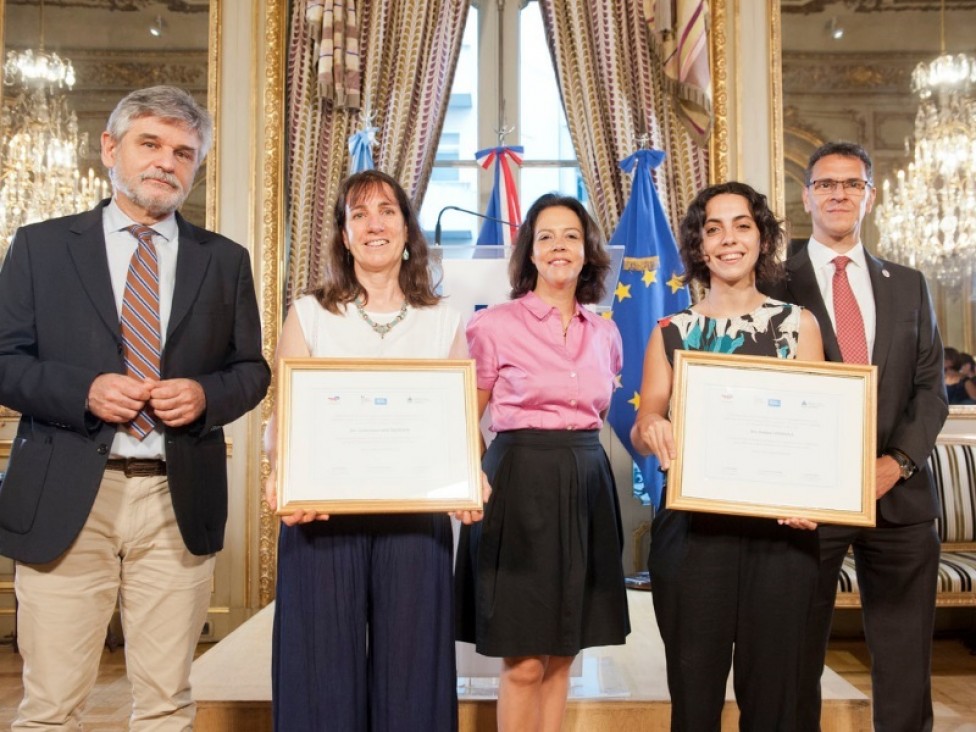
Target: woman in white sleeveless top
x=364 y=619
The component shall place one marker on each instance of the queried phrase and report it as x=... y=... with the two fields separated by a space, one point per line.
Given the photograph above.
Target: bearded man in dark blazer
x=128 y=338
x=873 y=311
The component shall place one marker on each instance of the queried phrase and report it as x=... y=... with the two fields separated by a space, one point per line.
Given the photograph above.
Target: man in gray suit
x=128 y=338
x=873 y=311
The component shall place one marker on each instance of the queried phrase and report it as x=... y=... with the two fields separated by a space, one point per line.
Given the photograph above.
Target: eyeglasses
x=853 y=186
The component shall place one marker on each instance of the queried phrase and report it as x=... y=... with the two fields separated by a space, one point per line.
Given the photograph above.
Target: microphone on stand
x=437 y=227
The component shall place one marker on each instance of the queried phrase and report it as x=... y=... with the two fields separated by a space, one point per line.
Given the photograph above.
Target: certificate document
x=772 y=437
x=379 y=435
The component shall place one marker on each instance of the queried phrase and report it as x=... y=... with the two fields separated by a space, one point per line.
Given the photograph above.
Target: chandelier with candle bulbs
x=927 y=218
x=40 y=146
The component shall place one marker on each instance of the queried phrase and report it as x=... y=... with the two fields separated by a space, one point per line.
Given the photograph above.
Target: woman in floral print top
x=728 y=590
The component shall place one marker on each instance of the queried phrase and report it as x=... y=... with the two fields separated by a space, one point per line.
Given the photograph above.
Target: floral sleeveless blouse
x=772 y=329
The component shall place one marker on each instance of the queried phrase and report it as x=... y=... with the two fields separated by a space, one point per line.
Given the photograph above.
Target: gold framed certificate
x=778 y=438
x=377 y=436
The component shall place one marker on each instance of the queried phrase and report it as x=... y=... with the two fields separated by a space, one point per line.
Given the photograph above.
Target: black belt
x=136 y=468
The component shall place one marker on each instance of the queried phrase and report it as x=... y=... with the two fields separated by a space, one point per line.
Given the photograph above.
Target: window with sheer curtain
x=524 y=85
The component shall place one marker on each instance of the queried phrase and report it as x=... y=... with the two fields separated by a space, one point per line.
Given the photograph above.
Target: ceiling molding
x=809 y=7
x=125 y=6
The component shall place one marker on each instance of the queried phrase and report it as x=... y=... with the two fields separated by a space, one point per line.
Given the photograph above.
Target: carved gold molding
x=807 y=7
x=107 y=70
x=851 y=73
x=718 y=148
x=213 y=104
x=173 y=6
x=778 y=193
x=272 y=214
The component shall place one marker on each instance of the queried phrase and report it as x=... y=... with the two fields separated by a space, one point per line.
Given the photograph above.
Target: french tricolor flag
x=504 y=201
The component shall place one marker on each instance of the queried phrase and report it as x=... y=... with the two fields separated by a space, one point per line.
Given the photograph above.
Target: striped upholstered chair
x=954 y=464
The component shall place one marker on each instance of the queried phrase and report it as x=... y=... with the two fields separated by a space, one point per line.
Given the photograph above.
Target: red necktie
x=847 y=316
x=140 y=322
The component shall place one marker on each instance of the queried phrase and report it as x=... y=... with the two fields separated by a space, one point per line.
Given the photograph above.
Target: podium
x=474 y=276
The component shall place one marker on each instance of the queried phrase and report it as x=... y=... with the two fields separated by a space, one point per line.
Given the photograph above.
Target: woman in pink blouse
x=541 y=578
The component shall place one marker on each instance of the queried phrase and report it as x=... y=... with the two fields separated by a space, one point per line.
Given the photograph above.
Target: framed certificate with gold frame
x=377 y=436
x=778 y=438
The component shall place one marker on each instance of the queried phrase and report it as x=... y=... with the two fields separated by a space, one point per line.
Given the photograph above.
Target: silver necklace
x=377 y=327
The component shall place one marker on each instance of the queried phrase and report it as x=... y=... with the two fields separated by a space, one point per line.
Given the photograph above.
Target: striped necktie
x=847 y=314
x=140 y=322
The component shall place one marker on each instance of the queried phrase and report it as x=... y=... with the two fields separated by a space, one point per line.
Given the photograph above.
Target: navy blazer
x=59 y=329
x=912 y=404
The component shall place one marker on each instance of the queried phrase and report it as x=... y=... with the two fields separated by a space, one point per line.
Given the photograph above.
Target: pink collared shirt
x=537 y=379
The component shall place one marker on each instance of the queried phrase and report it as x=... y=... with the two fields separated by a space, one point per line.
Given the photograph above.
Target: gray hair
x=165 y=102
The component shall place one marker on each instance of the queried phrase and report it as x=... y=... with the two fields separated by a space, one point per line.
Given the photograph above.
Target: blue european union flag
x=650 y=287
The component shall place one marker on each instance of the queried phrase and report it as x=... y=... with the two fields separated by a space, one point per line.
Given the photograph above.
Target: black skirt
x=542 y=574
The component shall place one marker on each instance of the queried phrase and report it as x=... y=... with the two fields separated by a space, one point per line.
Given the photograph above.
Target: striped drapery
x=614 y=92
x=409 y=51
x=679 y=38
x=334 y=27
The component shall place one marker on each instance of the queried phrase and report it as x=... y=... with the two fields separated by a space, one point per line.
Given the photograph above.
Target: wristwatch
x=905 y=465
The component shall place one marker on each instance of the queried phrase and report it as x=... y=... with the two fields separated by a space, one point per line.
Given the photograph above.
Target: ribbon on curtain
x=504 y=200
x=334 y=26
x=679 y=38
x=361 y=146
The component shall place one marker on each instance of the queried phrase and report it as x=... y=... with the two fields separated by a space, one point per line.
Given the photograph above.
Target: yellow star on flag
x=675 y=283
x=649 y=277
x=608 y=314
x=622 y=292
x=635 y=401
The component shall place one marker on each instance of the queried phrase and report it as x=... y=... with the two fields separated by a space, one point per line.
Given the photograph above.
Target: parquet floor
x=109 y=704
x=953 y=682
x=953 y=679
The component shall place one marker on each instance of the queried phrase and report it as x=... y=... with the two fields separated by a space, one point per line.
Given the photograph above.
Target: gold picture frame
x=378 y=436
x=776 y=438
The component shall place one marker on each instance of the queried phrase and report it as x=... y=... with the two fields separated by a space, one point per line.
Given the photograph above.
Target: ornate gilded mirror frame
x=718 y=150
x=746 y=95
x=272 y=182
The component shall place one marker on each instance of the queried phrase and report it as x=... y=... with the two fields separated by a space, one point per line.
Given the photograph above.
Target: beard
x=158 y=203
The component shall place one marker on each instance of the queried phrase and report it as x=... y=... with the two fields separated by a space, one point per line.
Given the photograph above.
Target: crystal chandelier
x=41 y=144
x=928 y=217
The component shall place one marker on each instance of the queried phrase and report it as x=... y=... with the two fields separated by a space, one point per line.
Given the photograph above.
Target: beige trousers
x=129 y=552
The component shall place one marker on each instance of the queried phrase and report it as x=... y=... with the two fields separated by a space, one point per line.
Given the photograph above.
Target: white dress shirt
x=822 y=259
x=120 y=245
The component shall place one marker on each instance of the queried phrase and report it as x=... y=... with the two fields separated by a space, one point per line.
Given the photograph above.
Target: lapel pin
x=886 y=273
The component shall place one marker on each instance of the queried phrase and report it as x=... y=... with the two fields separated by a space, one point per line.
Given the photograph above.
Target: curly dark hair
x=769 y=268
x=341 y=286
x=522 y=273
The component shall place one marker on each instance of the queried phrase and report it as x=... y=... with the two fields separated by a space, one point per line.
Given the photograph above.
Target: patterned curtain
x=679 y=39
x=334 y=27
x=614 y=92
x=409 y=50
